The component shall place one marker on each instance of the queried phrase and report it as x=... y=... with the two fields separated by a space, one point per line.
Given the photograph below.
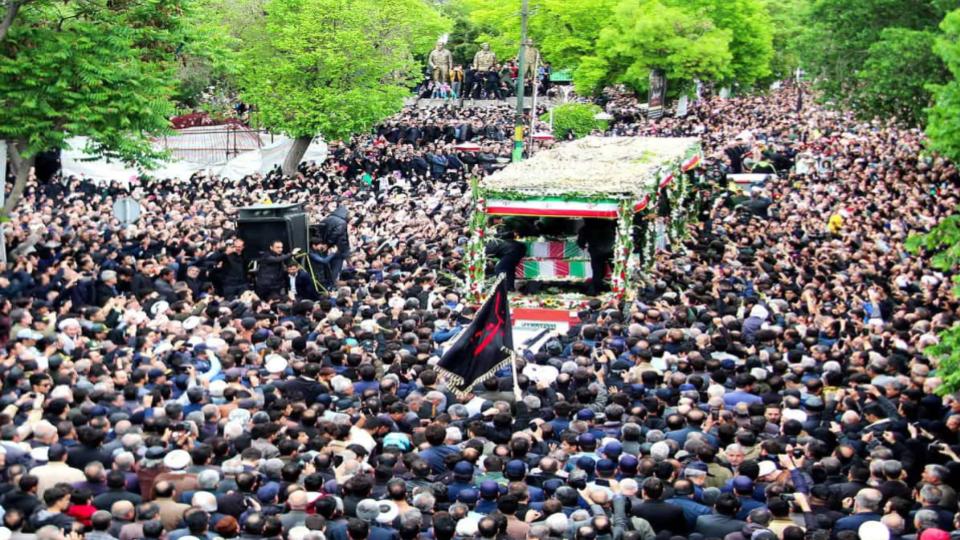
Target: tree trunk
x=299 y=148
x=21 y=167
x=9 y=14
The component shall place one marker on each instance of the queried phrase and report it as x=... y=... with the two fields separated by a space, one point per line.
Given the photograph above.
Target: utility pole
x=533 y=104
x=798 y=74
x=518 y=125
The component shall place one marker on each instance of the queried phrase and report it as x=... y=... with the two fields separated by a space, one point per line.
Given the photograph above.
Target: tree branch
x=11 y=9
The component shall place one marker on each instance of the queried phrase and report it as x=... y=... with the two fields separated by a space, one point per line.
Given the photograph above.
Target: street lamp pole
x=518 y=124
x=533 y=103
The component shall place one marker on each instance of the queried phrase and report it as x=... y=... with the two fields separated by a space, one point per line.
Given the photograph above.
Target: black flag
x=478 y=352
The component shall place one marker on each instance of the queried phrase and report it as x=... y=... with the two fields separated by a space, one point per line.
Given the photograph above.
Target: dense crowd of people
x=768 y=381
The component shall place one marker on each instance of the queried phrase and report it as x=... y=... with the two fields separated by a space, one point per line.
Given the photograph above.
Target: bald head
x=894 y=522
x=163 y=489
x=868 y=500
x=93 y=471
x=122 y=427
x=298 y=500
x=122 y=510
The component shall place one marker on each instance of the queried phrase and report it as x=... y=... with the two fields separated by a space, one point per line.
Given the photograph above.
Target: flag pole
x=517 y=394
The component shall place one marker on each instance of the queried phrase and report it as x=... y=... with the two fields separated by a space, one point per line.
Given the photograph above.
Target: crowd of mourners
x=768 y=381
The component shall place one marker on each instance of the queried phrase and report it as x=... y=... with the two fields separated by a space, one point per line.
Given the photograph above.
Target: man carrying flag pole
x=484 y=347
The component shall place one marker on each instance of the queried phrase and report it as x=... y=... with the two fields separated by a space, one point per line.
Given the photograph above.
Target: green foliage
x=576 y=118
x=565 y=31
x=787 y=20
x=336 y=67
x=98 y=68
x=606 y=41
x=886 y=89
x=652 y=34
x=751 y=35
x=463 y=42
x=210 y=58
x=943 y=127
x=840 y=38
x=942 y=244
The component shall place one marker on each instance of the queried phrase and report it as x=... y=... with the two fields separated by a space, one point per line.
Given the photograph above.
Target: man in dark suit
x=509 y=252
x=597 y=236
x=307 y=384
x=106 y=289
x=270 y=272
x=856 y=480
x=116 y=491
x=866 y=507
x=662 y=516
x=723 y=521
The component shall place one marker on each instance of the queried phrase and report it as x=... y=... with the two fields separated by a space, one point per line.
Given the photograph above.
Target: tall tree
x=787 y=21
x=942 y=243
x=95 y=68
x=840 y=33
x=751 y=35
x=651 y=34
x=896 y=77
x=943 y=127
x=335 y=67
x=565 y=31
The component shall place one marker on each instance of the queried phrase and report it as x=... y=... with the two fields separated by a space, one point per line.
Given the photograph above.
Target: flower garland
x=624 y=263
x=678 y=211
x=650 y=245
x=475 y=255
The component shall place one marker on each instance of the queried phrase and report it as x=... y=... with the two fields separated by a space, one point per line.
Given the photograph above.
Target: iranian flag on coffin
x=550 y=269
x=554 y=250
x=690 y=163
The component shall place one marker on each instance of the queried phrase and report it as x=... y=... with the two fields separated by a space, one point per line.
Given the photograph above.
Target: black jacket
x=270 y=271
x=335 y=231
x=26 y=503
x=662 y=516
x=598 y=236
x=232 y=268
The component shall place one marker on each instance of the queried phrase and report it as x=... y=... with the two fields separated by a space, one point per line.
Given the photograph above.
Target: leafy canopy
x=565 y=31
x=576 y=118
x=788 y=19
x=98 y=68
x=653 y=34
x=751 y=35
x=840 y=38
x=943 y=127
x=722 y=40
x=884 y=90
x=336 y=67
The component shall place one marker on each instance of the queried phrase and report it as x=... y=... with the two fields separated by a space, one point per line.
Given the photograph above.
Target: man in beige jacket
x=56 y=470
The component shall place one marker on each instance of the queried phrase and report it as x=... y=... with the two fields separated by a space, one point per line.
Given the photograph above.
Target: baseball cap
x=268 y=492
x=463 y=468
x=468 y=496
x=489 y=489
x=742 y=483
x=613 y=450
x=606 y=465
x=629 y=464
x=515 y=469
